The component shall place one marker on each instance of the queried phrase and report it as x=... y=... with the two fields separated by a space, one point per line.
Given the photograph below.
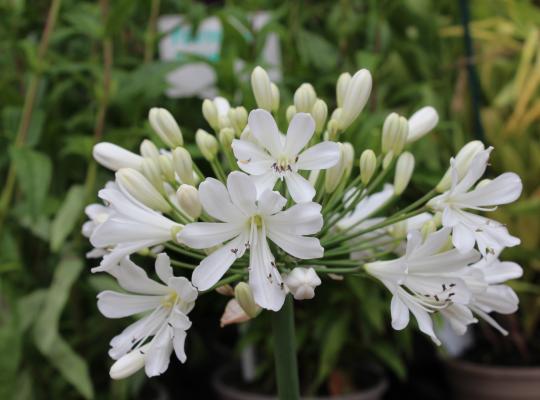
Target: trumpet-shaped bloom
x=469 y=228
x=425 y=280
x=246 y=223
x=164 y=324
x=272 y=157
x=130 y=227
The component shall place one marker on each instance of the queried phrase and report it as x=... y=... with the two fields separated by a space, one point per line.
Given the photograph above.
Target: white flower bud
x=421 y=122
x=148 y=149
x=387 y=160
x=226 y=136
x=238 y=117
x=462 y=162
x=302 y=283
x=275 y=97
x=356 y=97
x=341 y=87
x=368 y=164
x=291 y=111
x=319 y=112
x=428 y=228
x=129 y=363
x=394 y=135
x=207 y=144
x=403 y=174
x=233 y=314
x=150 y=169
x=183 y=165
x=398 y=230
x=210 y=113
x=262 y=88
x=335 y=174
x=244 y=297
x=304 y=98
x=166 y=127
x=141 y=189
x=166 y=167
x=188 y=198
x=115 y=157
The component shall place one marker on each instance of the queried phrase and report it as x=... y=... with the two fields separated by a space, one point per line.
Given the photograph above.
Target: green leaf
x=67 y=216
x=390 y=357
x=46 y=336
x=316 y=50
x=34 y=175
x=9 y=253
x=332 y=344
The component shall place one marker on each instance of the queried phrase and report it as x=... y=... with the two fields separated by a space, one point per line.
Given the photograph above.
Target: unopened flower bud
x=150 y=169
x=166 y=167
x=188 y=198
x=304 y=97
x=233 y=314
x=398 y=230
x=403 y=174
x=115 y=157
x=166 y=127
x=291 y=111
x=428 y=228
x=207 y=144
x=387 y=160
x=368 y=164
x=348 y=159
x=141 y=189
x=341 y=87
x=129 y=363
x=149 y=149
x=302 y=283
x=335 y=174
x=242 y=293
x=183 y=165
x=225 y=290
x=238 y=117
x=210 y=113
x=462 y=162
x=394 y=134
x=356 y=97
x=319 y=112
x=226 y=136
x=275 y=97
x=421 y=122
x=262 y=88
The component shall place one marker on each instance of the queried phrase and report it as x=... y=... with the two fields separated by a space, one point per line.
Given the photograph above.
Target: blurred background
x=76 y=72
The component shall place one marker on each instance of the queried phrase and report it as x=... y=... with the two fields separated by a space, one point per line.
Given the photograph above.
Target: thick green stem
x=285 y=352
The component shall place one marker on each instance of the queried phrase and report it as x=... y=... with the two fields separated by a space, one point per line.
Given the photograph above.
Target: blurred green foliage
x=75 y=72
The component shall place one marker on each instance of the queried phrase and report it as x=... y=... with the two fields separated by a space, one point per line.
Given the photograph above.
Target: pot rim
x=219 y=385
x=509 y=371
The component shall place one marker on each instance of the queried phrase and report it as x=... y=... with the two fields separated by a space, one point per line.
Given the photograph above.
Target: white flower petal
x=251 y=158
x=263 y=126
x=202 y=235
x=321 y=156
x=300 y=219
x=134 y=279
x=163 y=267
x=503 y=271
x=159 y=353
x=216 y=201
x=265 y=182
x=299 y=187
x=297 y=246
x=271 y=202
x=179 y=340
x=243 y=192
x=400 y=313
x=183 y=288
x=462 y=238
x=118 y=305
x=504 y=189
x=300 y=131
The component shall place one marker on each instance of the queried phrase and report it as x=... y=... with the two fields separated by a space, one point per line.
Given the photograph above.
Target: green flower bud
x=368 y=165
x=188 y=198
x=166 y=127
x=244 y=297
x=262 y=88
x=207 y=144
x=183 y=165
x=319 y=112
x=403 y=174
x=141 y=189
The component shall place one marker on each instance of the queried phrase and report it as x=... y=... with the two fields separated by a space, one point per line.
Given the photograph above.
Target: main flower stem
x=285 y=352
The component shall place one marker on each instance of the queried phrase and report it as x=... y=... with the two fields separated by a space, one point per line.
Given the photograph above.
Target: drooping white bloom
x=469 y=228
x=98 y=214
x=131 y=227
x=247 y=222
x=421 y=122
x=114 y=157
x=273 y=158
x=367 y=207
x=425 y=280
x=302 y=283
x=150 y=341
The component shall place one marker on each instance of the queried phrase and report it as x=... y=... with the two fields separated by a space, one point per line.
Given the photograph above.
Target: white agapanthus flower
x=150 y=341
x=130 y=227
x=302 y=283
x=114 y=157
x=247 y=221
x=97 y=214
x=425 y=280
x=367 y=207
x=273 y=157
x=469 y=228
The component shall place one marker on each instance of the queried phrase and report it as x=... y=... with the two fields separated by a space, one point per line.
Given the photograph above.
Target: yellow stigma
x=169 y=300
